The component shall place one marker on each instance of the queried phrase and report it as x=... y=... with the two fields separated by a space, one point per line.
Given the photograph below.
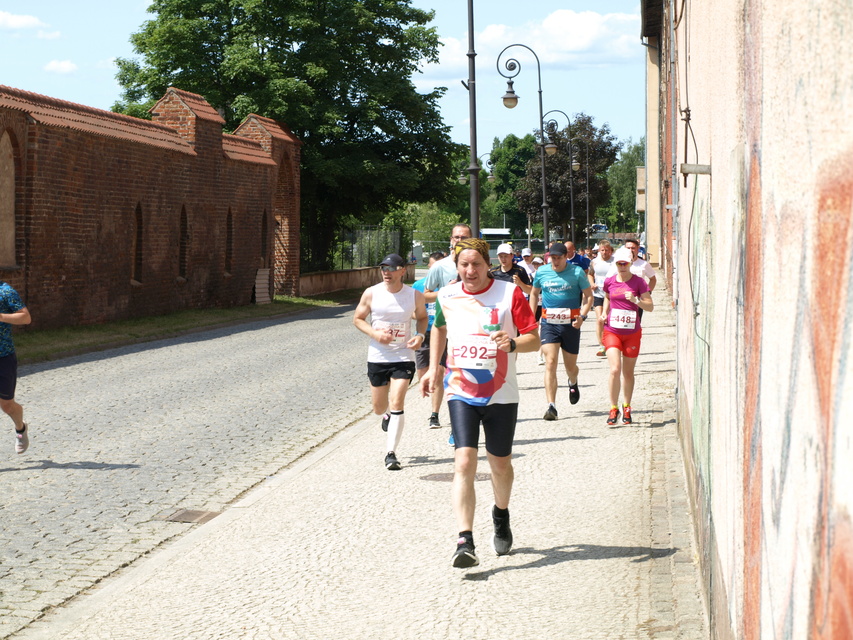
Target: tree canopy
x=337 y=72
x=567 y=190
x=509 y=158
x=620 y=214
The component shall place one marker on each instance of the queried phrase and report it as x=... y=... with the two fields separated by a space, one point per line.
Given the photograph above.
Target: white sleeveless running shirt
x=392 y=311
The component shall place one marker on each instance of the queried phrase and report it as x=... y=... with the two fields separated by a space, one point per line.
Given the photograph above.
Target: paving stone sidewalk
x=335 y=546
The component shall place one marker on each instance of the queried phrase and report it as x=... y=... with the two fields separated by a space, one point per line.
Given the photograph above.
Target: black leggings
x=498 y=425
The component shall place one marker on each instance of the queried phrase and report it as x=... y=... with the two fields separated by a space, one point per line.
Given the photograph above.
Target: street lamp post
x=473 y=167
x=510 y=100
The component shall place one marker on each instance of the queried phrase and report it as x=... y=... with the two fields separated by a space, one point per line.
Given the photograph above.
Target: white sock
x=395 y=429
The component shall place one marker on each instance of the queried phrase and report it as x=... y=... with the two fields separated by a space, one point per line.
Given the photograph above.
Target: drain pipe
x=674 y=146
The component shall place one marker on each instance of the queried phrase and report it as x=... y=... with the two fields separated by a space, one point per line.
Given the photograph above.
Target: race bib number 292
x=475 y=352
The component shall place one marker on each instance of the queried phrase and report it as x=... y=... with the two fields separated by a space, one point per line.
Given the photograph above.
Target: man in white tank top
x=599 y=271
x=391 y=306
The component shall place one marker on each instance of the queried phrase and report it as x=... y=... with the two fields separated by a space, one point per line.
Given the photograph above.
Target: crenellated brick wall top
x=194 y=102
x=245 y=149
x=59 y=113
x=264 y=130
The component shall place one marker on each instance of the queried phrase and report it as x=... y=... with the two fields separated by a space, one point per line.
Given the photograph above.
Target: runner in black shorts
x=566 y=301
x=390 y=355
x=482 y=322
x=12 y=312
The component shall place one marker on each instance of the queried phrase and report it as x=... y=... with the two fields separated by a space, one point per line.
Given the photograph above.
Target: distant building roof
x=59 y=113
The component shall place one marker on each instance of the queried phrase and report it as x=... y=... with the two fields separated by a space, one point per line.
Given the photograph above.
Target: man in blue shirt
x=575 y=258
x=566 y=301
x=12 y=311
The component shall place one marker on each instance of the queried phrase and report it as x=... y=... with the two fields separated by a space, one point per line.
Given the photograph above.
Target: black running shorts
x=8 y=376
x=380 y=373
x=565 y=335
x=498 y=425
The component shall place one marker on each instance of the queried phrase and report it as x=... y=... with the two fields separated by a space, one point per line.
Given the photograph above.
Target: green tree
x=337 y=72
x=425 y=223
x=510 y=158
x=567 y=189
x=621 y=211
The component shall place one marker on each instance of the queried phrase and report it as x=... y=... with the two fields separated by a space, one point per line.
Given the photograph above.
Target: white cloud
x=47 y=35
x=570 y=39
x=12 y=21
x=564 y=39
x=60 y=66
x=109 y=63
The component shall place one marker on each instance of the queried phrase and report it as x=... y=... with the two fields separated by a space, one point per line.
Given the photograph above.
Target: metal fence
x=355 y=247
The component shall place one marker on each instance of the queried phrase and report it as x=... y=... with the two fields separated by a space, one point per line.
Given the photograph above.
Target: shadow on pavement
x=82 y=466
x=540 y=440
x=572 y=552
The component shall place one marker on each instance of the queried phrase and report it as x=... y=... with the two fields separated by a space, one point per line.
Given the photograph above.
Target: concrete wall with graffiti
x=762 y=271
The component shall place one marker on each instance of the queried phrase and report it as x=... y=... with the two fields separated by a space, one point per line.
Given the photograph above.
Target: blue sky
x=590 y=54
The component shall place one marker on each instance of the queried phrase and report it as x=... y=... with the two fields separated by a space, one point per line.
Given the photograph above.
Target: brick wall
x=84 y=175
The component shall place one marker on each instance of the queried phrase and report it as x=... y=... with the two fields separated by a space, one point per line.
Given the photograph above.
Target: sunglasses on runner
x=388 y=269
x=622 y=264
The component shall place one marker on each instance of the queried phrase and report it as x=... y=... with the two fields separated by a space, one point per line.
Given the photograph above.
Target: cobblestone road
x=123 y=438
x=335 y=546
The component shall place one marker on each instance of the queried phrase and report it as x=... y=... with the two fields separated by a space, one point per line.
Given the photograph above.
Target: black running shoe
x=433 y=421
x=502 y=542
x=626 y=415
x=385 y=420
x=574 y=393
x=550 y=413
x=391 y=462
x=465 y=555
x=614 y=416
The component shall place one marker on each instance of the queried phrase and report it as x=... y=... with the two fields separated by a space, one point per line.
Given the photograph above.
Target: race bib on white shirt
x=399 y=330
x=623 y=318
x=475 y=352
x=560 y=315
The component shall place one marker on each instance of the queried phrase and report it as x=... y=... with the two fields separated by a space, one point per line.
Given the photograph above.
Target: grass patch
x=49 y=344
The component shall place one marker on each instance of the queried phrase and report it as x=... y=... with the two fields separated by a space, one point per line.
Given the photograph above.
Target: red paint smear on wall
x=752 y=456
x=753 y=12
x=836 y=620
x=832 y=221
x=832 y=588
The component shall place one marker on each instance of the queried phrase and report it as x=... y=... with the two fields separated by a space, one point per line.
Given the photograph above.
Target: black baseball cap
x=393 y=260
x=558 y=249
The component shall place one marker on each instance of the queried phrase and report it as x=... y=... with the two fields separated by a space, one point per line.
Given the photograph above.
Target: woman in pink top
x=624 y=295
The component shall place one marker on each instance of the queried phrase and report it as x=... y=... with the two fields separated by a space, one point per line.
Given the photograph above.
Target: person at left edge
x=12 y=312
x=390 y=355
